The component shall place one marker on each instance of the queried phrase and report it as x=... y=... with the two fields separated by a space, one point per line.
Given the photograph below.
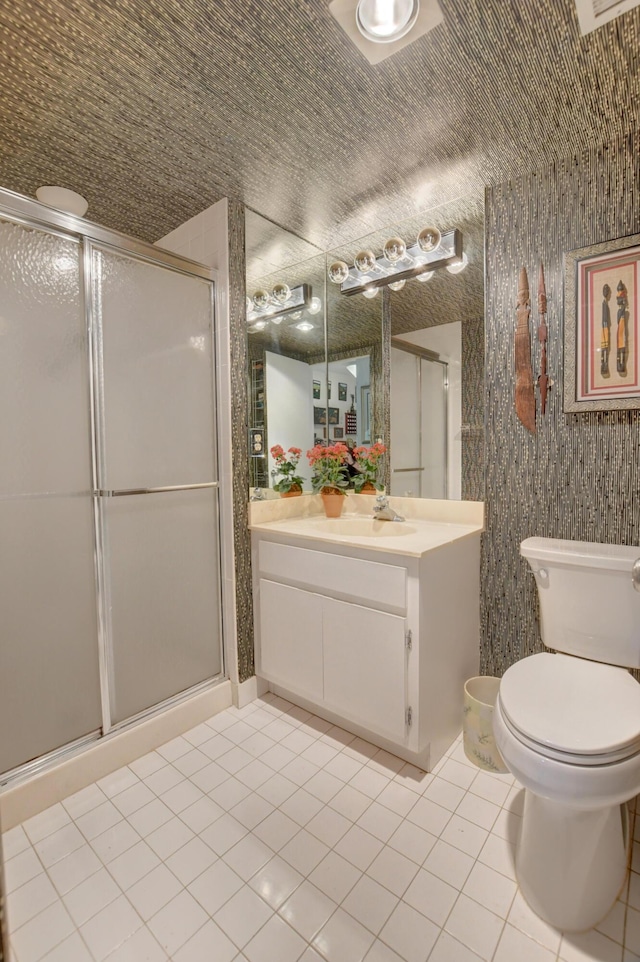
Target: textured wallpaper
x=578 y=476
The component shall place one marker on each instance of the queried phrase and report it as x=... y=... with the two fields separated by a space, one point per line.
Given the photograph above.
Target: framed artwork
x=601 y=326
x=316 y=390
x=256 y=442
x=328 y=390
x=319 y=415
x=342 y=391
x=334 y=415
x=338 y=434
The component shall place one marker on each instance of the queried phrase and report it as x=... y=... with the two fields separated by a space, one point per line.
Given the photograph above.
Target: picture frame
x=316 y=390
x=602 y=326
x=338 y=434
x=319 y=415
x=334 y=415
x=342 y=391
x=328 y=390
x=365 y=402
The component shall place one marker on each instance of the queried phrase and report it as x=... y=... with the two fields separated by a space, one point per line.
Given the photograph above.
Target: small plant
x=367 y=461
x=286 y=464
x=329 y=469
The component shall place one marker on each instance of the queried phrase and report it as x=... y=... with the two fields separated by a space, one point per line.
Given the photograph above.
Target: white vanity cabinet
x=370 y=639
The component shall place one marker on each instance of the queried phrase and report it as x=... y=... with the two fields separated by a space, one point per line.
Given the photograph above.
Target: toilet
x=567 y=725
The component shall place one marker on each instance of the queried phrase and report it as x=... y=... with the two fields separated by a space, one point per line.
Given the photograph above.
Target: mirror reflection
x=403 y=366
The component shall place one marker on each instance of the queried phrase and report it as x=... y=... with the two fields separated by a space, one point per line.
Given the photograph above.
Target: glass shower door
x=49 y=677
x=157 y=477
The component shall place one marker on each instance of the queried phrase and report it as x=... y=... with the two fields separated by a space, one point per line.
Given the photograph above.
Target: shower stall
x=110 y=588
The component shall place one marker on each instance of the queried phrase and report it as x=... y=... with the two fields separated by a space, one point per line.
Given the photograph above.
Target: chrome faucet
x=258 y=495
x=382 y=510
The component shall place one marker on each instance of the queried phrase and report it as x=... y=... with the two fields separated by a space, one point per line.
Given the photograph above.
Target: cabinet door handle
x=635 y=574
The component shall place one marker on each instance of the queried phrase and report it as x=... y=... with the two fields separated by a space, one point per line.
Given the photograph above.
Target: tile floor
x=267 y=835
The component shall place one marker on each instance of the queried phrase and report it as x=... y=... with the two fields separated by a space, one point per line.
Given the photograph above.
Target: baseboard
x=21 y=801
x=247 y=691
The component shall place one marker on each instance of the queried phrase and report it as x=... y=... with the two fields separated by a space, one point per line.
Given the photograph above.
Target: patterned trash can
x=477 y=723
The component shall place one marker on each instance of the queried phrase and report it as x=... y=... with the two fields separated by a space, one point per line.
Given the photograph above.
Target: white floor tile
x=613 y=926
x=524 y=919
x=117 y=781
x=278 y=789
x=223 y=834
x=449 y=864
x=229 y=793
x=133 y=865
x=329 y=826
x=398 y=798
x=242 y=916
x=460 y=775
x=499 y=854
x=490 y=787
x=182 y=796
x=413 y=778
x=153 y=891
x=304 y=852
x=210 y=777
x=139 y=947
x=176 y=748
x=62 y=842
x=21 y=869
x=301 y=806
x=359 y=847
x=132 y=799
x=369 y=782
x=307 y=910
x=31 y=898
x=98 y=820
x=370 y=903
x=248 y=856
x=91 y=896
x=379 y=952
x=215 y=886
x=478 y=810
x=343 y=939
x=445 y=794
x=490 y=889
x=589 y=947
x=275 y=881
x=255 y=774
x=448 y=949
x=107 y=930
x=14 y=842
x=514 y=944
x=163 y=779
x=169 y=838
x=177 y=922
x=150 y=817
x=430 y=896
x=412 y=841
x=335 y=876
x=409 y=933
x=46 y=823
x=209 y=944
x=350 y=802
x=429 y=816
x=464 y=835
x=191 y=860
x=275 y=942
x=379 y=821
x=474 y=926
x=147 y=764
x=73 y=949
x=393 y=870
x=114 y=841
x=277 y=829
x=324 y=786
x=42 y=933
x=194 y=761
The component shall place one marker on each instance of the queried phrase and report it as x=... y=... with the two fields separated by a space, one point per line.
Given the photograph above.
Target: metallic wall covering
x=155 y=109
x=239 y=435
x=473 y=409
x=577 y=477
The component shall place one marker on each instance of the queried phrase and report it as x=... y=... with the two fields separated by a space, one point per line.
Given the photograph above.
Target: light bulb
x=277 y=320
x=365 y=262
x=304 y=326
x=258 y=326
x=370 y=292
x=338 y=272
x=315 y=306
x=458 y=265
x=261 y=299
x=384 y=21
x=280 y=293
x=428 y=239
x=395 y=249
x=295 y=315
x=397 y=285
x=425 y=277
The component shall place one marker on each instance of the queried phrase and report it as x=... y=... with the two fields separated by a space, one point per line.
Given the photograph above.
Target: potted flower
x=329 y=476
x=367 y=461
x=290 y=484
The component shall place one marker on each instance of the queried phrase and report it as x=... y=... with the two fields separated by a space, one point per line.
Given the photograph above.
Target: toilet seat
x=572 y=710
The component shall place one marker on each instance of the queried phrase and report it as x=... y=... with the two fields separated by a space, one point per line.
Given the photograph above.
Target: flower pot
x=333 y=503
x=368 y=488
x=294 y=492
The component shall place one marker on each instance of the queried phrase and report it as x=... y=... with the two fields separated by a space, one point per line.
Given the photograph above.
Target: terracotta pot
x=333 y=503
x=294 y=492
x=368 y=488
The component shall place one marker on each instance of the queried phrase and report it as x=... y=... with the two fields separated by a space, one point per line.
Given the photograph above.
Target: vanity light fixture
x=304 y=326
x=399 y=263
x=280 y=300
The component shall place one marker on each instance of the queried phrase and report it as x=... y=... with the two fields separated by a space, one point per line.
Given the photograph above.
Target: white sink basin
x=361 y=527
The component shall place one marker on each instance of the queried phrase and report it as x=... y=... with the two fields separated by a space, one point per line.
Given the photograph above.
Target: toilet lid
x=573 y=706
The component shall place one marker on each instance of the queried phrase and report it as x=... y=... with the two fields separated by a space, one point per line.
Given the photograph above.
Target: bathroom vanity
x=373 y=625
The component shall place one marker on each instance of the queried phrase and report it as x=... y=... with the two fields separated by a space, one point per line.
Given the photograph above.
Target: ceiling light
x=425 y=277
x=304 y=326
x=384 y=21
x=370 y=292
x=315 y=306
x=458 y=265
x=397 y=285
x=63 y=199
x=277 y=302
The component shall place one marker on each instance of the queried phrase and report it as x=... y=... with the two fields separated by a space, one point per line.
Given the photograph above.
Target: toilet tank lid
x=615 y=557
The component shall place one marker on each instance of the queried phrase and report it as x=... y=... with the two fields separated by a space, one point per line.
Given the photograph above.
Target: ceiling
x=155 y=109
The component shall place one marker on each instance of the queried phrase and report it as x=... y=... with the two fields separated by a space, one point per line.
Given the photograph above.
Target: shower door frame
x=424 y=354
x=32 y=214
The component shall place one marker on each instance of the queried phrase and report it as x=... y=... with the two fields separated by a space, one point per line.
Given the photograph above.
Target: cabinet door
x=290 y=650
x=365 y=666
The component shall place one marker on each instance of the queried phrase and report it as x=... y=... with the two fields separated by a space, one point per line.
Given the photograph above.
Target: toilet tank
x=588 y=604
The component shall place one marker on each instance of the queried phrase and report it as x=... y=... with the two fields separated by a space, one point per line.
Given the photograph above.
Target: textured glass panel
x=165 y=595
x=44 y=395
x=434 y=429
x=405 y=423
x=49 y=686
x=158 y=373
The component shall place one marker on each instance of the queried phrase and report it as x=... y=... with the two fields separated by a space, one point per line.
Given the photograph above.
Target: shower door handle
x=635 y=574
x=127 y=492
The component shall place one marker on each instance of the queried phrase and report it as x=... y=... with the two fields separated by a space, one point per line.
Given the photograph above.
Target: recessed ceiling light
x=428 y=16
x=384 y=21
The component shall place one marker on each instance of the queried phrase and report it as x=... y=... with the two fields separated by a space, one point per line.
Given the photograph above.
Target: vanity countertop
x=429 y=524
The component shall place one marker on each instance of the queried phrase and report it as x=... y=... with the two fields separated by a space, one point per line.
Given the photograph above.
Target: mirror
x=405 y=366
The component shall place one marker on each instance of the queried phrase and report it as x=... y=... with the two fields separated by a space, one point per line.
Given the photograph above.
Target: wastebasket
x=477 y=723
